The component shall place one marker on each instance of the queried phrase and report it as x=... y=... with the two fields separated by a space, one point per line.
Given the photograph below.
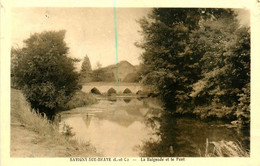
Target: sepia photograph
x=130 y=82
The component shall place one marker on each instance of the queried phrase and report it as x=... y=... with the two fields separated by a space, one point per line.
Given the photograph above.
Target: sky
x=89 y=31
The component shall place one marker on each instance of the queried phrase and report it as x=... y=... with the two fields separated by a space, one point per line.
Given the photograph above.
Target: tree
x=102 y=74
x=165 y=35
x=86 y=66
x=16 y=55
x=225 y=69
x=44 y=72
x=168 y=63
x=98 y=65
x=86 y=70
x=196 y=49
x=242 y=70
x=213 y=41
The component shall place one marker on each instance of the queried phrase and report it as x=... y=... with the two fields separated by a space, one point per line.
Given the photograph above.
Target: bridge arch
x=127 y=90
x=111 y=91
x=95 y=91
x=139 y=92
x=103 y=88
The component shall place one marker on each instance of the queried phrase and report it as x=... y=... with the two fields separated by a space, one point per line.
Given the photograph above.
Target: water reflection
x=130 y=128
x=112 y=98
x=139 y=98
x=186 y=137
x=127 y=100
x=114 y=128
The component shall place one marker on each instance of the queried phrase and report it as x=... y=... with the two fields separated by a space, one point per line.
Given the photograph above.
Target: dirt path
x=25 y=143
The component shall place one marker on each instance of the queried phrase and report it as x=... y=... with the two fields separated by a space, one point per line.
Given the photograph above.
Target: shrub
x=79 y=99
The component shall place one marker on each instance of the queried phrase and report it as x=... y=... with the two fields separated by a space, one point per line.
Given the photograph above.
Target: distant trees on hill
x=102 y=74
x=126 y=72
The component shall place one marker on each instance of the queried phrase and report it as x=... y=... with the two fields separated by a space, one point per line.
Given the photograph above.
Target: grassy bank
x=225 y=149
x=45 y=136
x=79 y=99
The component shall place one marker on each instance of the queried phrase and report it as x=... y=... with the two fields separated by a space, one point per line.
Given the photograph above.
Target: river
x=132 y=127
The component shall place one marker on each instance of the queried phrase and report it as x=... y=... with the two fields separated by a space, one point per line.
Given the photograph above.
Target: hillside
x=124 y=71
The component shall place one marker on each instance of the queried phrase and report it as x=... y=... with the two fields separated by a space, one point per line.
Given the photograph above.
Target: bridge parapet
x=103 y=89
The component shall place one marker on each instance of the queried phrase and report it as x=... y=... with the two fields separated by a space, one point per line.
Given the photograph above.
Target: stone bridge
x=109 y=88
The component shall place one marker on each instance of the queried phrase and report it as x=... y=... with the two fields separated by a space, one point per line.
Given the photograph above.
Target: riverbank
x=79 y=99
x=34 y=136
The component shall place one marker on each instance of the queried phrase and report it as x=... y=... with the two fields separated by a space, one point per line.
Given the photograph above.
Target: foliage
x=85 y=72
x=86 y=66
x=185 y=136
x=44 y=71
x=16 y=55
x=79 y=99
x=131 y=77
x=243 y=110
x=135 y=76
x=225 y=149
x=101 y=74
x=67 y=130
x=98 y=65
x=197 y=60
x=169 y=63
x=242 y=70
x=225 y=68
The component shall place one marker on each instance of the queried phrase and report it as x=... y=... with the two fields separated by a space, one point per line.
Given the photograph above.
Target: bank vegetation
x=46 y=134
x=198 y=62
